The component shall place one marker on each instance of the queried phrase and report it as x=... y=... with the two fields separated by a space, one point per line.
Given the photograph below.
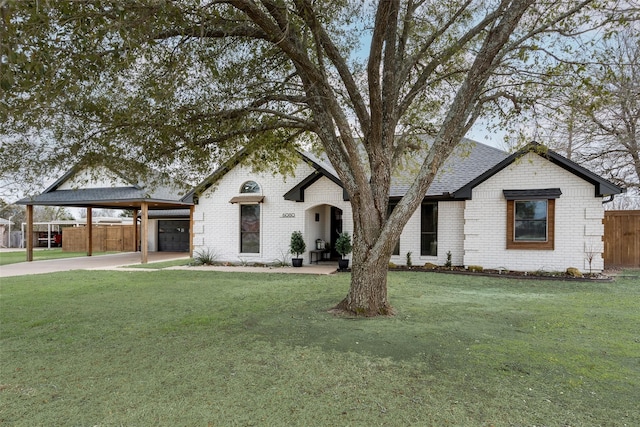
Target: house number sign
x=288 y=215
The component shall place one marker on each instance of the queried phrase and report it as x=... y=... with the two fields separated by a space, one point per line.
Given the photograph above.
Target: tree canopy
x=592 y=114
x=180 y=85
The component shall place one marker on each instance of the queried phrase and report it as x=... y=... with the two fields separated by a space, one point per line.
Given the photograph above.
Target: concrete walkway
x=324 y=268
x=121 y=260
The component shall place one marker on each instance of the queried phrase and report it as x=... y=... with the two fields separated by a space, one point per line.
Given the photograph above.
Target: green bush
x=297 y=245
x=205 y=256
x=343 y=244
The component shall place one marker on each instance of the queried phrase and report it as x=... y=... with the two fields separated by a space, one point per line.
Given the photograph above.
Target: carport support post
x=144 y=225
x=29 y=237
x=89 y=231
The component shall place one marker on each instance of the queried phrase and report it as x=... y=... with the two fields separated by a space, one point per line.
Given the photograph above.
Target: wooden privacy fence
x=621 y=239
x=106 y=238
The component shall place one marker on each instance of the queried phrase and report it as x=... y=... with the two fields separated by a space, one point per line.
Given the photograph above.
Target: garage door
x=173 y=236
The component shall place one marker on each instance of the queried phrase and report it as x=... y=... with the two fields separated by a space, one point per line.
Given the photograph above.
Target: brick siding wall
x=578 y=220
x=217 y=222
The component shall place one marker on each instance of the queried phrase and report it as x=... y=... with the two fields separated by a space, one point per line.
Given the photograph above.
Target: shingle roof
x=470 y=164
x=602 y=186
x=108 y=197
x=470 y=159
x=102 y=197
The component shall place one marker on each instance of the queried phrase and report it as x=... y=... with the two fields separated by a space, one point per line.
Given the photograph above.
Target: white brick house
x=533 y=210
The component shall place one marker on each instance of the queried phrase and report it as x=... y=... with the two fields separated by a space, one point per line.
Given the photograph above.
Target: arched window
x=250 y=187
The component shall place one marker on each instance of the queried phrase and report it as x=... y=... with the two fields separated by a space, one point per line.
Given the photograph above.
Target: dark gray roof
x=123 y=197
x=601 y=185
x=470 y=164
x=468 y=160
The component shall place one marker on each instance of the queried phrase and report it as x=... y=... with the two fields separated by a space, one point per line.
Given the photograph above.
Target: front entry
x=173 y=236
x=336 y=229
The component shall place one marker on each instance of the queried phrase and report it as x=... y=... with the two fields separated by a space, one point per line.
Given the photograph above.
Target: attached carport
x=140 y=200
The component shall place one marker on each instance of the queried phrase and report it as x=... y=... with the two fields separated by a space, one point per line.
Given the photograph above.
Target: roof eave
x=114 y=204
x=602 y=186
x=296 y=194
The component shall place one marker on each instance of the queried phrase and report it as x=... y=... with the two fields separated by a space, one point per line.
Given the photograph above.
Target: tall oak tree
x=178 y=85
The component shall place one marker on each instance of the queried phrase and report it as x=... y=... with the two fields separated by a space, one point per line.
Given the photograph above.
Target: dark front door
x=173 y=236
x=336 y=229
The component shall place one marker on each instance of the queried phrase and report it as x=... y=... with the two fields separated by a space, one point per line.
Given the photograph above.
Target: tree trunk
x=369 y=266
x=368 y=292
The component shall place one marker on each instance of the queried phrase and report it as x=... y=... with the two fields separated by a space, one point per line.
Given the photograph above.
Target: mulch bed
x=508 y=274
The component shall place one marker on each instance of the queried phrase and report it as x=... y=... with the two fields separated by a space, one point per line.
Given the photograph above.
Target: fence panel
x=105 y=238
x=621 y=239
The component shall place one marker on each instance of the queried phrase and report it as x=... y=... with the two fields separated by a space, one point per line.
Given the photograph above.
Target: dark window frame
x=392 y=205
x=548 y=244
x=244 y=232
x=432 y=229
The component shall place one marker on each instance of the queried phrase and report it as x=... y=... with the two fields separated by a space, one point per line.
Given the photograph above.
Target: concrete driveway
x=84 y=263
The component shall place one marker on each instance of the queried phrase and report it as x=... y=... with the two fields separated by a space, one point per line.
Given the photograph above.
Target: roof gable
x=468 y=166
x=193 y=195
x=102 y=187
x=602 y=186
x=90 y=177
x=322 y=169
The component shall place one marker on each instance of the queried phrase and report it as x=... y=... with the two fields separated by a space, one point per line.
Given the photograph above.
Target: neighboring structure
x=5 y=229
x=532 y=210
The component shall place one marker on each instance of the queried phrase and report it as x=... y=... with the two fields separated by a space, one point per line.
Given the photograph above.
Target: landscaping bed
x=545 y=275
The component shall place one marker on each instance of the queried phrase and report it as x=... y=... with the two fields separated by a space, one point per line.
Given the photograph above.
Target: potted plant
x=297 y=247
x=343 y=247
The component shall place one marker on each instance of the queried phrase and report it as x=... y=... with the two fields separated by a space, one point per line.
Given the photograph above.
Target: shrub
x=409 y=263
x=205 y=256
x=475 y=268
x=574 y=272
x=283 y=261
x=448 y=262
x=297 y=245
x=343 y=244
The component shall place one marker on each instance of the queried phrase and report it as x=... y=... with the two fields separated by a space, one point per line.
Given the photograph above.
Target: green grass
x=187 y=348
x=163 y=264
x=41 y=254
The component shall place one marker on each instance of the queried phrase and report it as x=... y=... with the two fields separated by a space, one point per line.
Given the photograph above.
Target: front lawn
x=191 y=348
